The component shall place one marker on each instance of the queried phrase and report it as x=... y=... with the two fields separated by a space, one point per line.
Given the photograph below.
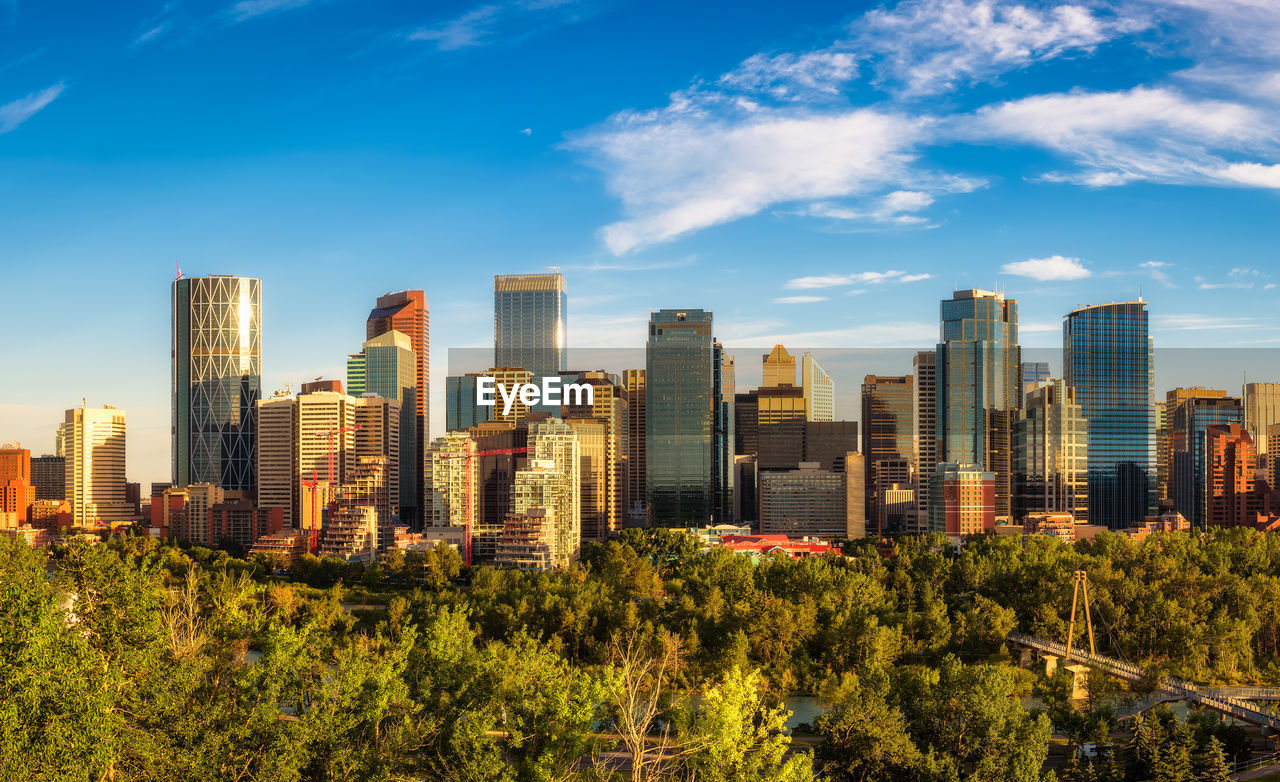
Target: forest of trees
x=137 y=659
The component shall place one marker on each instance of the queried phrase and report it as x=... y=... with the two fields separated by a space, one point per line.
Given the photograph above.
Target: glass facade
x=1050 y=453
x=1191 y=420
x=1108 y=360
x=723 y=439
x=979 y=386
x=530 y=322
x=680 y=407
x=216 y=380
x=389 y=369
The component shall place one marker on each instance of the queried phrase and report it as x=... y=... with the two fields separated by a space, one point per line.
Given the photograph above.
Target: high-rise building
x=530 y=322
x=1051 y=453
x=527 y=541
x=387 y=366
x=979 y=389
x=407 y=312
x=924 y=390
x=379 y=427
x=217 y=379
x=722 y=393
x=610 y=405
x=829 y=443
x=777 y=368
x=680 y=404
x=637 y=424
x=552 y=480
x=1034 y=373
x=17 y=493
x=49 y=476
x=1231 y=460
x=1273 y=449
x=819 y=390
x=92 y=441
x=888 y=428
x=460 y=409
x=855 y=471
x=451 y=482
x=808 y=501
x=593 y=472
x=962 y=500
x=1261 y=410
x=1188 y=446
x=1108 y=359
x=891 y=477
x=779 y=424
x=1160 y=413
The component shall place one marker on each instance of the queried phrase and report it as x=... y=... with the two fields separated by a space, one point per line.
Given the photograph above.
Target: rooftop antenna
x=178 y=269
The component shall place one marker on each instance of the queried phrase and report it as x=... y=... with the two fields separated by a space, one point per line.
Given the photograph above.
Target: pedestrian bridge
x=1230 y=701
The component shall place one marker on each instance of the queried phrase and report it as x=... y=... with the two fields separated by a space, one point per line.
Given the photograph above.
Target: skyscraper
x=637 y=423
x=1261 y=410
x=387 y=366
x=408 y=313
x=1108 y=359
x=610 y=404
x=1231 y=460
x=819 y=390
x=530 y=322
x=216 y=379
x=924 y=392
x=722 y=393
x=777 y=368
x=888 y=430
x=92 y=441
x=1188 y=432
x=979 y=388
x=1051 y=453
x=680 y=404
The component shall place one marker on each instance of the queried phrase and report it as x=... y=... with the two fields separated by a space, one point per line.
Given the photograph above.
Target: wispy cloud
x=638 y=266
x=16 y=112
x=1236 y=278
x=1055 y=267
x=800 y=299
x=492 y=22
x=1199 y=322
x=864 y=278
x=249 y=9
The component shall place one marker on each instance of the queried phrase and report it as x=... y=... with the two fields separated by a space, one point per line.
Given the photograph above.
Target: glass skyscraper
x=216 y=380
x=530 y=322
x=979 y=386
x=388 y=366
x=681 y=406
x=1108 y=359
x=1189 y=424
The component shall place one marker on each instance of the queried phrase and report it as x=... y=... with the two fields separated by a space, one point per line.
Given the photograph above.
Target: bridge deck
x=1222 y=700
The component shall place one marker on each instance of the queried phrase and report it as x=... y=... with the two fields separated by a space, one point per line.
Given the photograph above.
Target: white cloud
x=800 y=299
x=865 y=278
x=16 y=112
x=677 y=171
x=792 y=77
x=1198 y=322
x=248 y=9
x=878 y=335
x=491 y=22
x=932 y=46
x=1236 y=278
x=1055 y=267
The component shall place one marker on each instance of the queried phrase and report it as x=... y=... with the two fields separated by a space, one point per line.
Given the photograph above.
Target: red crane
x=469 y=456
x=330 y=434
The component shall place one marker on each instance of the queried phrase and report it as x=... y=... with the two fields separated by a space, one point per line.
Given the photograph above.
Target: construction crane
x=469 y=456
x=330 y=435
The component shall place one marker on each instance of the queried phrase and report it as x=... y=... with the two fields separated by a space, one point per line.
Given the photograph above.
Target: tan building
x=778 y=368
x=92 y=441
x=1273 y=447
x=819 y=390
x=594 y=471
x=1261 y=411
x=552 y=480
x=634 y=382
x=360 y=523
x=451 y=482
x=1166 y=444
x=610 y=406
x=527 y=540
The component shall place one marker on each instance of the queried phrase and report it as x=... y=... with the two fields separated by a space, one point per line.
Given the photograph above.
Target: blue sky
x=816 y=173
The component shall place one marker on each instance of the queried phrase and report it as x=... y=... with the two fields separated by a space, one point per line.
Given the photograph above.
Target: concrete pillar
x=1028 y=657
x=1050 y=664
x=1079 y=681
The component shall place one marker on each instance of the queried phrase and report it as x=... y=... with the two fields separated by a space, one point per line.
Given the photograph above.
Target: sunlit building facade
x=530 y=322
x=680 y=404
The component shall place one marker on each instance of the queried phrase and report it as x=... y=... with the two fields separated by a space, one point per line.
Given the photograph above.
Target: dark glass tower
x=1108 y=359
x=979 y=388
x=530 y=322
x=217 y=380
x=1189 y=425
x=680 y=409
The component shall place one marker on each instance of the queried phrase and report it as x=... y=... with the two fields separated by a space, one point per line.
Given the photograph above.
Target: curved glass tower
x=217 y=379
x=1108 y=358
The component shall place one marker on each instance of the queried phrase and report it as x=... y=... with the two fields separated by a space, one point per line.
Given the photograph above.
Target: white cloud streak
x=250 y=9
x=14 y=113
x=1055 y=267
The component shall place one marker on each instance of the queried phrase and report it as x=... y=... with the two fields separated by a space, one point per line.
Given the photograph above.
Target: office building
x=242 y=523
x=924 y=392
x=530 y=322
x=637 y=425
x=460 y=409
x=407 y=312
x=962 y=500
x=829 y=443
x=779 y=424
x=1108 y=360
x=379 y=427
x=1231 y=494
x=451 y=482
x=888 y=426
x=1051 y=453
x=1165 y=437
x=49 y=477
x=855 y=495
x=897 y=505
x=680 y=405
x=1261 y=411
x=746 y=423
x=1191 y=420
x=978 y=386
x=819 y=390
x=594 y=471
x=1033 y=373
x=92 y=442
x=891 y=477
x=386 y=366
x=805 y=501
x=777 y=368
x=722 y=437
x=216 y=379
x=1273 y=449
x=17 y=492
x=610 y=405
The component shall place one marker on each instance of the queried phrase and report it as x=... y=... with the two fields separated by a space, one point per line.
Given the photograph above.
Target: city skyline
x=333 y=193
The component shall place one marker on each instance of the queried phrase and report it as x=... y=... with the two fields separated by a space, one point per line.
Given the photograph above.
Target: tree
x=1212 y=763
x=864 y=737
x=641 y=690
